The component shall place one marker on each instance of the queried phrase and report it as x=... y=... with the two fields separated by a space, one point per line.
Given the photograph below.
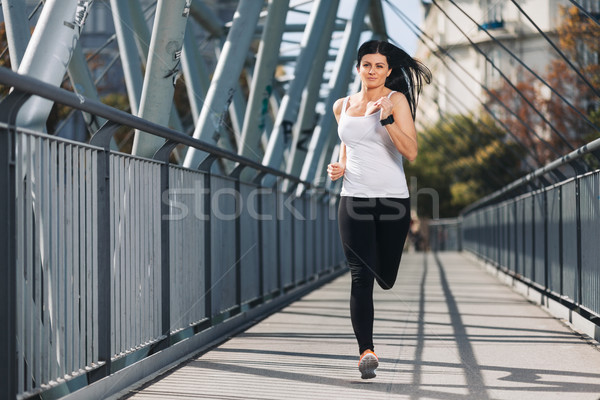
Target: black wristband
x=387 y=121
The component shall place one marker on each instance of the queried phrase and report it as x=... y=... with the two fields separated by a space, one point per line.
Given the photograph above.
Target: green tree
x=462 y=159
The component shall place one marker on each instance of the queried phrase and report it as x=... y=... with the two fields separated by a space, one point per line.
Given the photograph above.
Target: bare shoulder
x=398 y=98
x=337 y=107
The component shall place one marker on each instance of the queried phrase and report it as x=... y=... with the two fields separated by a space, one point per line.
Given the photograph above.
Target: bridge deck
x=448 y=330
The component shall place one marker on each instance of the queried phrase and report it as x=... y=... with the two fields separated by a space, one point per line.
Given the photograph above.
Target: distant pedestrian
x=376 y=128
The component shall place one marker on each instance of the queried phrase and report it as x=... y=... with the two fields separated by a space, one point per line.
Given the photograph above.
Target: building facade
x=461 y=72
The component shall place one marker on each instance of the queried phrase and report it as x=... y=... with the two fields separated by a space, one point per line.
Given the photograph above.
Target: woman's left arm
x=402 y=131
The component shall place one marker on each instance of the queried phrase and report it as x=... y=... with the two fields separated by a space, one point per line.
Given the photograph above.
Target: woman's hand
x=384 y=104
x=336 y=170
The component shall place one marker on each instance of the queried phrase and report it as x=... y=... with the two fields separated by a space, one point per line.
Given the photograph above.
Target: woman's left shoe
x=367 y=364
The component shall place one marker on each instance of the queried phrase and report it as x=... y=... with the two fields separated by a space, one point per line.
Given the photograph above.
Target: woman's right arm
x=336 y=170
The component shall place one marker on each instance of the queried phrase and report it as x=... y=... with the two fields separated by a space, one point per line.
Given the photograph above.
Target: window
x=491 y=11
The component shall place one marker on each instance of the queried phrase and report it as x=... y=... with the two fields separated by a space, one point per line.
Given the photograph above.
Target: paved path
x=448 y=330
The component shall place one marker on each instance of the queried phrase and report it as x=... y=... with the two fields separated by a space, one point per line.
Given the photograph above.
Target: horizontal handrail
x=27 y=84
x=574 y=155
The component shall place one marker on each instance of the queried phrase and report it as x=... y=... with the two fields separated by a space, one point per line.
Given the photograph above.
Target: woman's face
x=373 y=70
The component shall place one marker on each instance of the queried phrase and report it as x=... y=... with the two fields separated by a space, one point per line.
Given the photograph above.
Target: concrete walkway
x=448 y=330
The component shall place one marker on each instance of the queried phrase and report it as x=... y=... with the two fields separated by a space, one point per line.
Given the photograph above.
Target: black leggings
x=373 y=232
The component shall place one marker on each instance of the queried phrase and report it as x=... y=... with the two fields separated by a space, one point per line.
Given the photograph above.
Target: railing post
x=546 y=261
x=560 y=238
x=578 y=221
x=104 y=276
x=9 y=109
x=8 y=283
x=162 y=155
x=235 y=174
x=261 y=241
x=205 y=167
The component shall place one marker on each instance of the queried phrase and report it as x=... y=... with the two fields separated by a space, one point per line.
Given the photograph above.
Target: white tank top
x=373 y=164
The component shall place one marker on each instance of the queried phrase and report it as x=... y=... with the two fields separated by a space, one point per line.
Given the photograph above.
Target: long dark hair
x=407 y=74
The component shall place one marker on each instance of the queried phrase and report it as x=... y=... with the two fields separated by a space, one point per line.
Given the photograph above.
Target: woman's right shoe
x=367 y=364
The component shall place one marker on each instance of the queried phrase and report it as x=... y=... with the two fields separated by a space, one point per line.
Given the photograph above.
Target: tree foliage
x=462 y=159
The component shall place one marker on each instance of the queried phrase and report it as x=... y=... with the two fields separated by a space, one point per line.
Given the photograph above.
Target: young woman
x=376 y=127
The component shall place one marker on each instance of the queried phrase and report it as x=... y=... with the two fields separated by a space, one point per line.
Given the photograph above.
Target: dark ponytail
x=407 y=75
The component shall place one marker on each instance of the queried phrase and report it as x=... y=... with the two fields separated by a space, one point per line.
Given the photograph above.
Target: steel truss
x=242 y=104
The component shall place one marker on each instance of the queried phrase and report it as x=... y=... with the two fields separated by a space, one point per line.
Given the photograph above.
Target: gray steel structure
x=110 y=257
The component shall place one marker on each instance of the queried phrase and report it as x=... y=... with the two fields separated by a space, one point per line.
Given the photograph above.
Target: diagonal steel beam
x=262 y=80
x=323 y=139
x=130 y=60
x=162 y=69
x=195 y=73
x=229 y=68
x=83 y=84
x=48 y=54
x=310 y=96
x=288 y=111
x=17 y=30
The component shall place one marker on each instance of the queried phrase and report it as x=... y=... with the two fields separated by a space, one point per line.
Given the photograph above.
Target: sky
x=397 y=29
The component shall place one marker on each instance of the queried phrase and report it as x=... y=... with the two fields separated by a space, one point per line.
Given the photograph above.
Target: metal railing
x=445 y=234
x=546 y=236
x=109 y=258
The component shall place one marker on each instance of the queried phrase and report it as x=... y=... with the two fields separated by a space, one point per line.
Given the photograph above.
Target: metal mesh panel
x=298 y=209
x=310 y=239
x=554 y=237
x=187 y=234
x=511 y=231
x=503 y=234
x=270 y=240
x=528 y=251
x=285 y=220
x=590 y=232
x=250 y=219
x=135 y=252
x=55 y=254
x=539 y=215
x=520 y=235
x=569 y=244
x=320 y=223
x=224 y=211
